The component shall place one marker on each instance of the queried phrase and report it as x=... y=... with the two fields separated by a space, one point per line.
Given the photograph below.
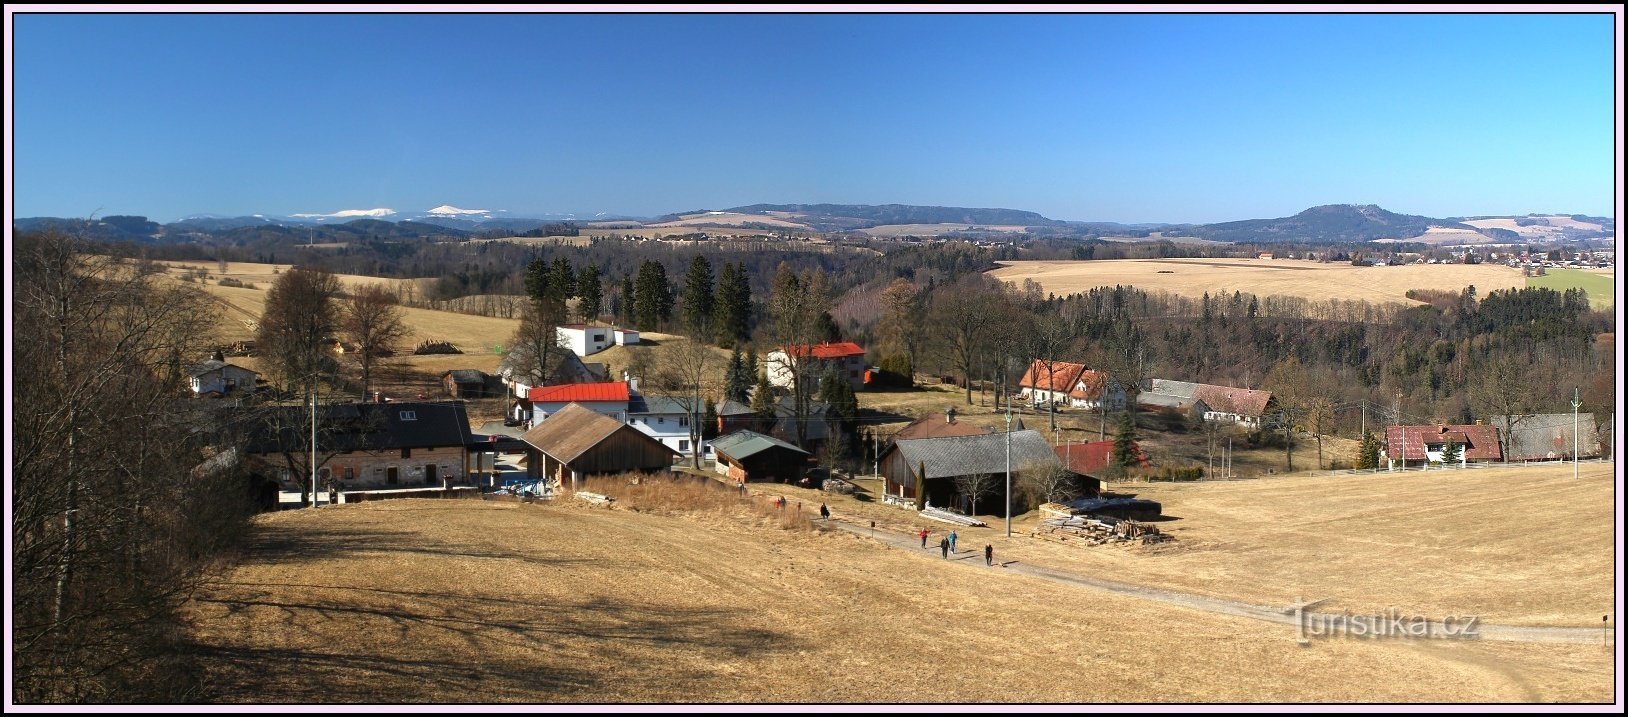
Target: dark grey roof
x=964 y=455
x=1548 y=435
x=466 y=375
x=733 y=408
x=743 y=444
x=363 y=426
x=639 y=404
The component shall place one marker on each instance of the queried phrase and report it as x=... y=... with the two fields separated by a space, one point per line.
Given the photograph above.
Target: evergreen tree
x=627 y=298
x=1125 y=441
x=736 y=381
x=763 y=400
x=1368 y=453
x=732 y=306
x=709 y=422
x=652 y=297
x=591 y=294
x=698 y=308
x=838 y=393
x=1451 y=454
x=562 y=280
x=537 y=279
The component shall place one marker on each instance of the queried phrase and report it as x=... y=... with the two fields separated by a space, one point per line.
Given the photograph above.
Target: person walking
x=923 y=535
x=825 y=513
x=944 y=547
x=989 y=554
x=952 y=541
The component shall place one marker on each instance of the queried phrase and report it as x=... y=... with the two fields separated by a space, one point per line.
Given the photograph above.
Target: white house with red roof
x=847 y=357
x=610 y=398
x=1070 y=384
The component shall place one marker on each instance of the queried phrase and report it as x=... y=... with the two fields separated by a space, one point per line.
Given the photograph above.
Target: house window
x=406 y=453
x=392 y=475
x=350 y=472
x=683 y=445
x=409 y=415
x=661 y=419
x=683 y=420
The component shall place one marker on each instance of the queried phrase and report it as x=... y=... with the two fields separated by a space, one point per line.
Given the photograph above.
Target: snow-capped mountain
x=348 y=214
x=447 y=210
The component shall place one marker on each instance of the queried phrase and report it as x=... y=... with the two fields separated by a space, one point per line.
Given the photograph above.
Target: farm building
x=1093 y=459
x=938 y=425
x=734 y=416
x=1070 y=384
x=751 y=456
x=846 y=357
x=1221 y=403
x=1418 y=445
x=576 y=443
x=217 y=377
x=610 y=398
x=952 y=457
x=469 y=383
x=563 y=367
x=1548 y=436
x=364 y=447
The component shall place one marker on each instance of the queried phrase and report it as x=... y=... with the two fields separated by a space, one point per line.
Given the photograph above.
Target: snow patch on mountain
x=380 y=212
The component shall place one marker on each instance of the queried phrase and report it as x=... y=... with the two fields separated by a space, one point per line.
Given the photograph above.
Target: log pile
x=838 y=485
x=1097 y=530
x=435 y=347
x=594 y=498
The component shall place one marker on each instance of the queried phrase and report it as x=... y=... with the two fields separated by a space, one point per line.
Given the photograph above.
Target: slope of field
x=1601 y=286
x=262 y=275
x=1263 y=277
x=470 y=601
x=933 y=230
x=729 y=219
x=471 y=333
x=1549 y=228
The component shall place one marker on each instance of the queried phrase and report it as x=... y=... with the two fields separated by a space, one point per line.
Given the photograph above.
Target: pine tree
x=729 y=312
x=537 y=279
x=709 y=422
x=625 y=316
x=591 y=294
x=763 y=400
x=735 y=384
x=652 y=298
x=1368 y=453
x=562 y=279
x=1453 y=453
x=1125 y=441
x=698 y=308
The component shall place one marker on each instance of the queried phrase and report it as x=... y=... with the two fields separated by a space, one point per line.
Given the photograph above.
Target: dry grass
x=933 y=230
x=471 y=601
x=729 y=219
x=1263 y=277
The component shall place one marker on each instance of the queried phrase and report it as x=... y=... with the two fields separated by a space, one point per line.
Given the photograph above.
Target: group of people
x=946 y=545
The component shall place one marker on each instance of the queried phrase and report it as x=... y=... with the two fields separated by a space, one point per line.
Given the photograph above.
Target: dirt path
x=1281 y=615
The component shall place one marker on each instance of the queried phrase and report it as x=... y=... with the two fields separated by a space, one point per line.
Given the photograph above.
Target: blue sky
x=1191 y=118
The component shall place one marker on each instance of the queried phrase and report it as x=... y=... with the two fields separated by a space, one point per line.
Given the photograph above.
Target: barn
x=751 y=456
x=945 y=459
x=577 y=442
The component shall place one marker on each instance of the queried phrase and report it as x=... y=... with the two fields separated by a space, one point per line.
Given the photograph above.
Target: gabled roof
x=1059 y=377
x=1220 y=399
x=466 y=375
x=744 y=444
x=1089 y=385
x=837 y=350
x=656 y=404
x=364 y=426
x=964 y=455
x=611 y=391
x=1548 y=435
x=211 y=366
x=1093 y=457
x=1408 y=442
x=573 y=430
x=935 y=425
x=733 y=408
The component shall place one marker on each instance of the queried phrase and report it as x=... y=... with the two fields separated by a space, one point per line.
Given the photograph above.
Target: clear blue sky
x=1092 y=117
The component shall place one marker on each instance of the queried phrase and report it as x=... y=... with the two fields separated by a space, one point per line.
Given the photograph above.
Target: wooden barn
x=951 y=457
x=576 y=443
x=752 y=457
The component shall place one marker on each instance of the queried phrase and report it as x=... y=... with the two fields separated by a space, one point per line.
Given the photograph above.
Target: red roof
x=842 y=349
x=1094 y=382
x=614 y=391
x=1060 y=378
x=1226 y=399
x=1088 y=458
x=1408 y=442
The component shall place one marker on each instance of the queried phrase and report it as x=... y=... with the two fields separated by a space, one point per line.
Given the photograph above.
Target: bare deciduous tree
x=975 y=486
x=374 y=323
x=964 y=315
x=1048 y=483
x=684 y=374
x=300 y=315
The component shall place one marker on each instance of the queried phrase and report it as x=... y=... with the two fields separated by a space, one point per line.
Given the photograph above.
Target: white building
x=666 y=420
x=218 y=377
x=586 y=340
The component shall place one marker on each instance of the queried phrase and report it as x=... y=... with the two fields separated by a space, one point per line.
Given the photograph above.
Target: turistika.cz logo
x=1391 y=623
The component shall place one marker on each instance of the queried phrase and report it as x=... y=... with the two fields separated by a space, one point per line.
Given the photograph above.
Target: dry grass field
x=933 y=230
x=1263 y=277
x=728 y=219
x=711 y=601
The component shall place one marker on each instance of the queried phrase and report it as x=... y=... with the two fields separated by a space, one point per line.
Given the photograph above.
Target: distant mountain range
x=1333 y=223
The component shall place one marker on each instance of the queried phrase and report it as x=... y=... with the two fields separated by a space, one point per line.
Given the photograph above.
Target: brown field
x=729 y=219
x=933 y=230
x=1445 y=235
x=262 y=275
x=1263 y=277
x=473 y=601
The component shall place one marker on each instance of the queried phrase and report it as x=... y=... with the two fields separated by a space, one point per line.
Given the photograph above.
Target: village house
x=396 y=447
x=939 y=425
x=1070 y=384
x=666 y=420
x=1421 y=445
x=751 y=456
x=216 y=377
x=735 y=416
x=1548 y=436
x=1245 y=407
x=610 y=398
x=951 y=457
x=846 y=358
x=564 y=368
x=586 y=340
x=578 y=442
x=469 y=383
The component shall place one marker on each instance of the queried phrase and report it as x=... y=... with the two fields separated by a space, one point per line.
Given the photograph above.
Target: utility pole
x=876 y=453
x=1575 y=404
x=1008 y=469
x=313 y=442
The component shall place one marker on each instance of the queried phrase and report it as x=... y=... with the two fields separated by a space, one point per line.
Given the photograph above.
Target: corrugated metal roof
x=580 y=392
x=744 y=444
x=1093 y=457
x=964 y=455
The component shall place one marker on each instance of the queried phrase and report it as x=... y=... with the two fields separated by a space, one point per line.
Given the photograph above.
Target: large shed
x=577 y=442
x=951 y=457
x=751 y=456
